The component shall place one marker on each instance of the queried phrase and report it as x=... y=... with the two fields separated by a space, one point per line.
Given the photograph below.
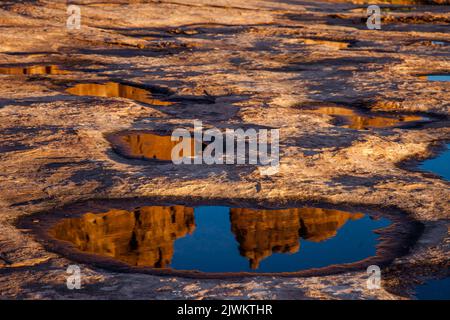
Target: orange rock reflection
x=358 y=121
x=146 y=236
x=150 y=146
x=143 y=237
x=328 y=43
x=113 y=89
x=263 y=232
x=32 y=70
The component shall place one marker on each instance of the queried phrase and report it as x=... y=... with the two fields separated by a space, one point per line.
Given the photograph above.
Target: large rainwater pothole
x=350 y=118
x=223 y=239
x=115 y=89
x=33 y=70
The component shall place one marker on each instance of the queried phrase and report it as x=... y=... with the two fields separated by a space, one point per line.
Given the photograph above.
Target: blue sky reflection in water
x=438 y=289
x=439 y=165
x=214 y=248
x=438 y=77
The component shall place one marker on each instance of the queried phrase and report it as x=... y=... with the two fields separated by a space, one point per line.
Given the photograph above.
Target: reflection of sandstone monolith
x=151 y=146
x=32 y=70
x=114 y=89
x=360 y=121
x=263 y=232
x=143 y=237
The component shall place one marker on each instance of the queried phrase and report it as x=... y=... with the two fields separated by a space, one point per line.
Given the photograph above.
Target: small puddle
x=327 y=43
x=439 y=165
x=353 y=119
x=397 y=9
x=115 y=89
x=434 y=290
x=440 y=43
x=395 y=2
x=33 y=70
x=148 y=146
x=438 y=77
x=224 y=239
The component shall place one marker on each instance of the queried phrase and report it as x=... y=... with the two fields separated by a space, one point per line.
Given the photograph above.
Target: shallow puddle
x=327 y=43
x=149 y=146
x=394 y=2
x=33 y=70
x=438 y=77
x=350 y=118
x=440 y=43
x=114 y=89
x=439 y=165
x=438 y=289
x=223 y=239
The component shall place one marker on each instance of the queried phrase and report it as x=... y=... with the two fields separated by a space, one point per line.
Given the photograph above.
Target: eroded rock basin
x=354 y=119
x=297 y=240
x=115 y=89
x=148 y=146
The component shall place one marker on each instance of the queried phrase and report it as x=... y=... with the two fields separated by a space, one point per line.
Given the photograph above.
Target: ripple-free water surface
x=33 y=70
x=438 y=289
x=224 y=239
x=149 y=145
x=360 y=121
x=115 y=89
x=439 y=165
x=438 y=77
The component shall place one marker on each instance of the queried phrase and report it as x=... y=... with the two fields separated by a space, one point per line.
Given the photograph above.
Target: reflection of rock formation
x=333 y=44
x=143 y=237
x=358 y=121
x=32 y=70
x=113 y=89
x=263 y=232
x=150 y=146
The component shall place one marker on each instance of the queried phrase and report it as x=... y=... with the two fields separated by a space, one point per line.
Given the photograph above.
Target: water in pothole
x=350 y=118
x=438 y=289
x=33 y=70
x=149 y=146
x=224 y=239
x=115 y=89
x=438 y=77
x=327 y=43
x=439 y=165
x=440 y=43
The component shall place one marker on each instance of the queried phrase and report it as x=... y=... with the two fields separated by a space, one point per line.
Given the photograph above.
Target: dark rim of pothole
x=395 y=240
